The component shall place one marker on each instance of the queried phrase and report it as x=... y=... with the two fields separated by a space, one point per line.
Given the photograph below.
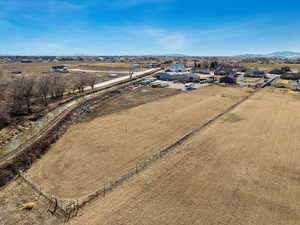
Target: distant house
x=177 y=67
x=220 y=72
x=60 y=69
x=26 y=61
x=227 y=80
x=277 y=71
x=99 y=59
x=254 y=73
x=168 y=76
x=200 y=70
x=16 y=72
x=181 y=77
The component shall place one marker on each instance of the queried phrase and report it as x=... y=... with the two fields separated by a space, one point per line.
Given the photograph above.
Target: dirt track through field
x=96 y=152
x=242 y=170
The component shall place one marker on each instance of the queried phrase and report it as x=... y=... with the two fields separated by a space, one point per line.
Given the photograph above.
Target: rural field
x=241 y=170
x=100 y=150
x=38 y=67
x=268 y=67
x=101 y=66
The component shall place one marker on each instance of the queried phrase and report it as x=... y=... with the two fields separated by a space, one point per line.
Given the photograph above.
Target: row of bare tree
x=19 y=93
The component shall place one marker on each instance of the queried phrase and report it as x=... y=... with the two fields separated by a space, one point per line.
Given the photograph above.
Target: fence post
x=104 y=190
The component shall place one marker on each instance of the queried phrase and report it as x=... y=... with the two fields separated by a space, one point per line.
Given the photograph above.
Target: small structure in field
x=60 y=69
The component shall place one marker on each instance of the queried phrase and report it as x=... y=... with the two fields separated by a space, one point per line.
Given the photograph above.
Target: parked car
x=147 y=81
x=114 y=75
x=158 y=84
x=190 y=86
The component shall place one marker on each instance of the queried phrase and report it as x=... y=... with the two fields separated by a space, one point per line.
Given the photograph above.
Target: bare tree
x=4 y=107
x=16 y=96
x=1 y=74
x=80 y=81
x=58 y=86
x=92 y=80
x=44 y=87
x=4 y=115
x=21 y=93
x=28 y=84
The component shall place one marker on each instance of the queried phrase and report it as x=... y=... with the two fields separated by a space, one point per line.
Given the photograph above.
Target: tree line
x=19 y=93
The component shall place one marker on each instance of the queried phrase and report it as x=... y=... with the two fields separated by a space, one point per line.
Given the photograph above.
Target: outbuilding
x=228 y=80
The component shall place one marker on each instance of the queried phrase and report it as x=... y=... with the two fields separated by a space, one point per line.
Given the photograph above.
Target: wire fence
x=55 y=206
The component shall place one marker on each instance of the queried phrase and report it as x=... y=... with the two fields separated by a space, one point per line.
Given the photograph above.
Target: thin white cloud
x=168 y=40
x=174 y=41
x=152 y=31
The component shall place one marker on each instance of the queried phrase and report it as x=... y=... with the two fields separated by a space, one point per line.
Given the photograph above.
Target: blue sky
x=136 y=27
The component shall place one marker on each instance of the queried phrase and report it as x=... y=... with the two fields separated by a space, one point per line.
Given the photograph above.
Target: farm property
x=96 y=152
x=237 y=171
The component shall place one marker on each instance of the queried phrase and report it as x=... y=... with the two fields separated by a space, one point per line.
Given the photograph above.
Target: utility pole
x=130 y=71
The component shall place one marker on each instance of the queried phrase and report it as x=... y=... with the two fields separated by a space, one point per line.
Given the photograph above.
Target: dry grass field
x=269 y=67
x=101 y=66
x=38 y=67
x=27 y=67
x=96 y=152
x=242 y=170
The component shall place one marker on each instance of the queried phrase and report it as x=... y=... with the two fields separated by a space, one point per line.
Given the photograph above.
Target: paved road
x=119 y=79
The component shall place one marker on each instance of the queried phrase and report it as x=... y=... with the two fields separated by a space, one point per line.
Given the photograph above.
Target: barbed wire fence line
x=55 y=206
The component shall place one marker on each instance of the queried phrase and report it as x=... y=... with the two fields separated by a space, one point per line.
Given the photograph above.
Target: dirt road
x=242 y=170
x=96 y=152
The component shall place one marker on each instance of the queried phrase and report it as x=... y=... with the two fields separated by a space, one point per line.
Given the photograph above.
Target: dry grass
x=27 y=67
x=112 y=65
x=13 y=196
x=246 y=173
x=232 y=118
x=96 y=152
x=39 y=67
x=102 y=66
x=268 y=67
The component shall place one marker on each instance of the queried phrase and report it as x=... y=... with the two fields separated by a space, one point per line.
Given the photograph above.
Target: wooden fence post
x=104 y=190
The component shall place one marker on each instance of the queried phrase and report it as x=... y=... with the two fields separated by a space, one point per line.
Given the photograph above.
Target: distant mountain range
x=283 y=54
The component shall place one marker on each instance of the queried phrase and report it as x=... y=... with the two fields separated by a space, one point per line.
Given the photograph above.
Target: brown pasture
x=237 y=171
x=96 y=152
